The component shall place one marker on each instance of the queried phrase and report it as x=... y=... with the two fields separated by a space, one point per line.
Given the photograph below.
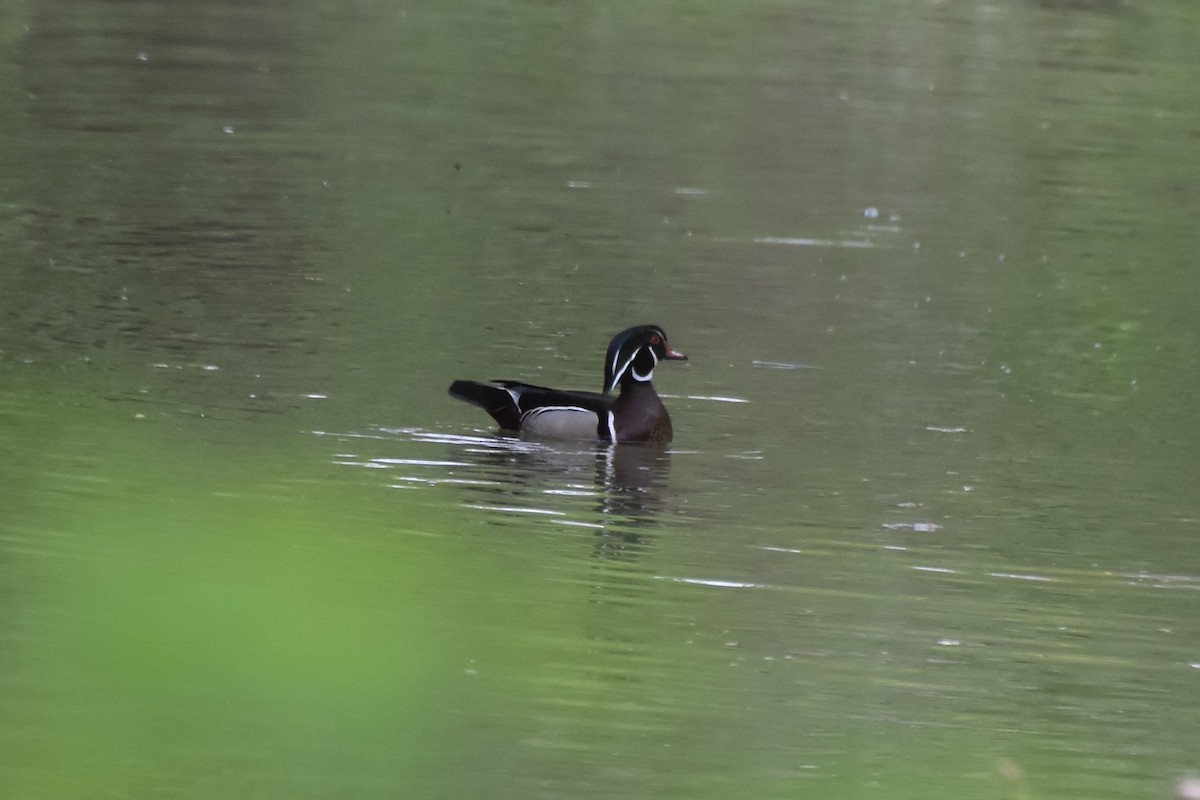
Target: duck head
x=634 y=353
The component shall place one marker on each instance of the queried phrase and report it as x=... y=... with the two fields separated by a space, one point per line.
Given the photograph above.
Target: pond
x=928 y=524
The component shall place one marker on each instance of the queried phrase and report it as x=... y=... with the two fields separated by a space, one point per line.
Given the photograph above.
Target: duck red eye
x=655 y=340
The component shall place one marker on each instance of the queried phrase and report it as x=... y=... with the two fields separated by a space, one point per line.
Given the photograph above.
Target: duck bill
x=674 y=355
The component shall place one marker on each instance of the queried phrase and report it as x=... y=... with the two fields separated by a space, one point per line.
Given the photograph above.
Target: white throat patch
x=637 y=376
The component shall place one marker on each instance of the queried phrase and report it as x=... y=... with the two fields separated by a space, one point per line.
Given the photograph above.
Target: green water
x=929 y=524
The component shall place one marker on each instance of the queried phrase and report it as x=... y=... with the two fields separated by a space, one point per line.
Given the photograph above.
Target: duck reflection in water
x=634 y=478
x=618 y=490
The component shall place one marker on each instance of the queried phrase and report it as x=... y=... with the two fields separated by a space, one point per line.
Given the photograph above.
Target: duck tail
x=492 y=399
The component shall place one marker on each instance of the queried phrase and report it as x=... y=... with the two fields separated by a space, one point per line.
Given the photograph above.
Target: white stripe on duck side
x=561 y=422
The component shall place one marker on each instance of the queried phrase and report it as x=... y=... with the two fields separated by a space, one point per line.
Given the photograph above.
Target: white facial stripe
x=649 y=374
x=636 y=375
x=616 y=375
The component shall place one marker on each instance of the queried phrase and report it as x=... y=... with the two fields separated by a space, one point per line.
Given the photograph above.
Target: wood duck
x=635 y=415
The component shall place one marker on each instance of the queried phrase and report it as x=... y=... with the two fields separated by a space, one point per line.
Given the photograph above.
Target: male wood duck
x=635 y=415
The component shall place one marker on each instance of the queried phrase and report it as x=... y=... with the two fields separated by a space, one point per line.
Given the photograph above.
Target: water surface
x=928 y=524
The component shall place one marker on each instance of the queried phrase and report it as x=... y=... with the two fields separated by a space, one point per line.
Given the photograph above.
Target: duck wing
x=509 y=401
